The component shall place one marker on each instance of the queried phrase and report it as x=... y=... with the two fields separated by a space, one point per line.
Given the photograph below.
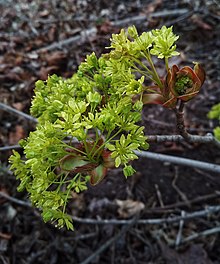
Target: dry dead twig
x=204 y=233
x=15 y=200
x=16 y=112
x=180 y=161
x=208 y=138
x=110 y=241
x=78 y=39
x=156 y=221
x=171 y=207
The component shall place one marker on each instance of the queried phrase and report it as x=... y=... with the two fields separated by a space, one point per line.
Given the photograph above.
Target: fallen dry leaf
x=105 y=28
x=153 y=6
x=128 y=208
x=56 y=58
x=44 y=13
x=5 y=236
x=200 y=23
x=19 y=106
x=16 y=135
x=45 y=71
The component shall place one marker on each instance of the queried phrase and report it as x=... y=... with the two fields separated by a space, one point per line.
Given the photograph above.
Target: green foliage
x=99 y=107
x=164 y=43
x=215 y=114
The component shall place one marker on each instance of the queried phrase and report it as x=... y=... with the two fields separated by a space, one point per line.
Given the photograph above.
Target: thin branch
x=110 y=241
x=12 y=110
x=140 y=18
x=180 y=124
x=164 y=158
x=79 y=39
x=204 y=233
x=179 y=161
x=208 y=138
x=84 y=236
x=181 y=129
x=156 y=221
x=180 y=231
x=5 y=236
x=161 y=157
x=15 y=200
x=170 y=207
x=6 y=148
x=131 y=20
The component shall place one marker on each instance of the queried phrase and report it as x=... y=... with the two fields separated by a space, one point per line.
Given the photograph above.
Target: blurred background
x=39 y=38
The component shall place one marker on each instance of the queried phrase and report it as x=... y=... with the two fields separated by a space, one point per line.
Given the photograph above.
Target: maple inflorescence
x=90 y=123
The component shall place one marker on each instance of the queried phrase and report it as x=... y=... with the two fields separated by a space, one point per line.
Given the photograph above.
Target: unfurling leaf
x=70 y=162
x=98 y=174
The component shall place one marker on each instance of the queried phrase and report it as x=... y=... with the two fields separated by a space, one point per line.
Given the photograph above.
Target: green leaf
x=117 y=162
x=97 y=174
x=217 y=133
x=132 y=156
x=164 y=43
x=145 y=41
x=48 y=215
x=215 y=112
x=132 y=32
x=69 y=224
x=114 y=154
x=110 y=147
x=69 y=162
x=128 y=171
x=94 y=97
x=122 y=140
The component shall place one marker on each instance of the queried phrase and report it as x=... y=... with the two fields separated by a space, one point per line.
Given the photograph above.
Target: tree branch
x=171 y=207
x=208 y=138
x=204 y=233
x=16 y=112
x=156 y=221
x=6 y=148
x=180 y=161
x=140 y=18
x=181 y=128
x=15 y=200
x=78 y=39
x=110 y=241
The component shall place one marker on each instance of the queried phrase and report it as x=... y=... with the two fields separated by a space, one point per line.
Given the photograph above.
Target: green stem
x=142 y=72
x=96 y=141
x=68 y=192
x=107 y=140
x=166 y=64
x=76 y=149
x=142 y=65
x=119 y=131
x=155 y=74
x=85 y=145
x=62 y=181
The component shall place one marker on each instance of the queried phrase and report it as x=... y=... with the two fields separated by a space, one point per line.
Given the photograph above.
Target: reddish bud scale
x=193 y=78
